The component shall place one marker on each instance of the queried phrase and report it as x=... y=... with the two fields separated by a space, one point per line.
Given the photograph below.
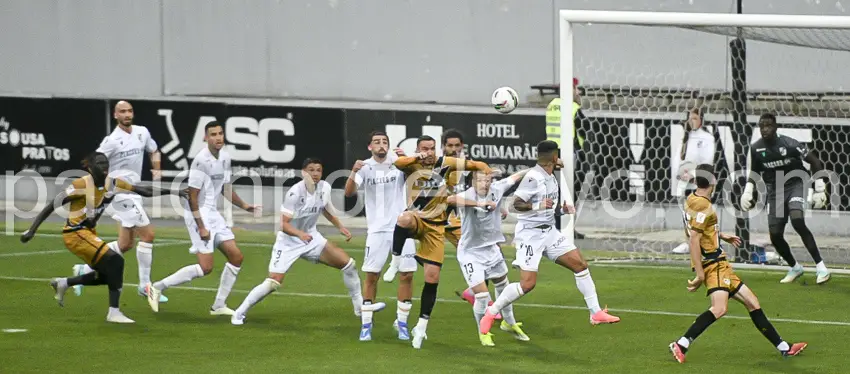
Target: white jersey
x=385 y=195
x=479 y=228
x=209 y=174
x=536 y=186
x=126 y=152
x=305 y=209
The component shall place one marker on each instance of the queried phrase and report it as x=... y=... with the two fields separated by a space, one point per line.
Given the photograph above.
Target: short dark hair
x=425 y=138
x=768 y=117
x=88 y=161
x=212 y=124
x=310 y=160
x=375 y=133
x=704 y=175
x=546 y=147
x=452 y=133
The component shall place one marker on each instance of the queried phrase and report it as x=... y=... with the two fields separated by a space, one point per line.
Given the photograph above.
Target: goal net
x=642 y=73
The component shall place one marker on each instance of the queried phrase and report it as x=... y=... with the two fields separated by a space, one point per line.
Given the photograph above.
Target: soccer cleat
x=118 y=317
x=60 y=286
x=390 y=274
x=222 y=311
x=143 y=293
x=237 y=320
x=78 y=271
x=516 y=330
x=823 y=276
x=366 y=332
x=792 y=275
x=796 y=348
x=486 y=322
x=678 y=355
x=602 y=316
x=470 y=298
x=401 y=328
x=418 y=336
x=486 y=340
x=153 y=296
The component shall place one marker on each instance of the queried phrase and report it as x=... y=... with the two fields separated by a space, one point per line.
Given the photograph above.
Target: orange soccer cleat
x=796 y=348
x=602 y=316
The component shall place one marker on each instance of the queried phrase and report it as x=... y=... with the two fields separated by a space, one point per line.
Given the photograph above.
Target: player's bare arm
x=288 y=229
x=156 y=165
x=524 y=206
x=351 y=182
x=196 y=213
x=731 y=239
x=149 y=191
x=61 y=199
x=231 y=196
x=463 y=164
x=336 y=222
x=404 y=162
x=696 y=260
x=458 y=200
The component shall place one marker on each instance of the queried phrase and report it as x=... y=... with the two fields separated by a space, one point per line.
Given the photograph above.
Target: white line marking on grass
x=528 y=305
x=34 y=253
x=739 y=268
x=12 y=331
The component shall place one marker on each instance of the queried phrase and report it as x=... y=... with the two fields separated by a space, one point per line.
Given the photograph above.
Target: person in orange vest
x=553 y=133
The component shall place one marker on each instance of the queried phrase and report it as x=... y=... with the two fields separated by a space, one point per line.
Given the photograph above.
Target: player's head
x=767 y=126
x=97 y=164
x=123 y=113
x=428 y=146
x=311 y=170
x=482 y=181
x=379 y=144
x=214 y=135
x=547 y=152
x=694 y=119
x=704 y=176
x=452 y=143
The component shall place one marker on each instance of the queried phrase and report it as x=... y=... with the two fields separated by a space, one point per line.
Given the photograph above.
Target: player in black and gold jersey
x=713 y=269
x=88 y=197
x=429 y=182
x=453 y=147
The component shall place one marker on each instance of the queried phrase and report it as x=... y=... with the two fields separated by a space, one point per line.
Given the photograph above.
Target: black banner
x=267 y=141
x=49 y=135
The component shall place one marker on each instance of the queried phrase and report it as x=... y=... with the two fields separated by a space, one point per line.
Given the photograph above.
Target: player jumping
x=299 y=238
x=478 y=252
x=209 y=176
x=428 y=182
x=712 y=269
x=384 y=195
x=88 y=197
x=536 y=236
x=777 y=156
x=125 y=148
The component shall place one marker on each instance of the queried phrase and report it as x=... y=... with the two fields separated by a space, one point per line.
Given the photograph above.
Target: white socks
x=144 y=255
x=511 y=293
x=480 y=306
x=587 y=288
x=684 y=342
x=228 y=278
x=114 y=247
x=179 y=277
x=403 y=311
x=782 y=347
x=821 y=266
x=87 y=269
x=257 y=294
x=352 y=283
x=507 y=311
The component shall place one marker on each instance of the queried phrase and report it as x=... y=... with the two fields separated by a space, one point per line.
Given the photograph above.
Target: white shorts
x=532 y=244
x=379 y=245
x=215 y=224
x=478 y=264
x=130 y=212
x=284 y=254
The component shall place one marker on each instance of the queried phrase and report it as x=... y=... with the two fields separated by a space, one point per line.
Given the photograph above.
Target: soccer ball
x=505 y=100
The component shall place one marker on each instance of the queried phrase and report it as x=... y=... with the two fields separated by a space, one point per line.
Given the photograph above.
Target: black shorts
x=792 y=196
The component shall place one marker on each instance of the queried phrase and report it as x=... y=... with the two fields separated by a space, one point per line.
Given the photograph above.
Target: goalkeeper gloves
x=747 y=197
x=817 y=196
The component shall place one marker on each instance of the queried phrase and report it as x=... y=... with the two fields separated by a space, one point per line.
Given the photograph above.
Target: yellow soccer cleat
x=486 y=340
x=516 y=330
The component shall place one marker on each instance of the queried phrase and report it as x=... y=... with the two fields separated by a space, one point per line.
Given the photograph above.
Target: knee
x=799 y=224
x=527 y=285
x=579 y=265
x=125 y=246
x=718 y=311
x=406 y=278
x=432 y=276
x=776 y=231
x=147 y=237
x=405 y=220
x=207 y=268
x=236 y=259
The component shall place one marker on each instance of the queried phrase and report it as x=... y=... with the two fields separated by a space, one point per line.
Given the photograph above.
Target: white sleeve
x=326 y=196
x=150 y=145
x=227 y=171
x=288 y=207
x=197 y=174
x=359 y=176
x=502 y=184
x=105 y=147
x=527 y=188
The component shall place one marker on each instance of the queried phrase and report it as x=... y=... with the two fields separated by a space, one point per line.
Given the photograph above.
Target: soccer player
x=209 y=176
x=779 y=161
x=714 y=271
x=299 y=238
x=478 y=253
x=536 y=236
x=125 y=148
x=88 y=197
x=384 y=194
x=428 y=183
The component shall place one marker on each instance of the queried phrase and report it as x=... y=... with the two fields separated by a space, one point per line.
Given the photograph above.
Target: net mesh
x=637 y=90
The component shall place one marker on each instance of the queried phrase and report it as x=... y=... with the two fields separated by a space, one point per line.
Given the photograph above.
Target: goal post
x=785 y=30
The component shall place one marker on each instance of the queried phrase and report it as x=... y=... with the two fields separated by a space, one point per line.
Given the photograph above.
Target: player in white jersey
x=125 y=148
x=478 y=251
x=384 y=194
x=536 y=236
x=209 y=176
x=299 y=238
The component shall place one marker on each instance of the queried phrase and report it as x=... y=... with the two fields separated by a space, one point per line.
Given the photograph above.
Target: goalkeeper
x=779 y=161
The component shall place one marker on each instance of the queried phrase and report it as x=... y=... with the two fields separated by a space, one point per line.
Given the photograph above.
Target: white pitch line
x=33 y=253
x=529 y=305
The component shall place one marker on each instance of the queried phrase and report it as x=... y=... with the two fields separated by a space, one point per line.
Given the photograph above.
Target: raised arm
x=61 y=199
x=405 y=162
x=463 y=164
x=352 y=183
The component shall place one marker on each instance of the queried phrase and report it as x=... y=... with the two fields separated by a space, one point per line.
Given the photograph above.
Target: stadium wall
x=445 y=51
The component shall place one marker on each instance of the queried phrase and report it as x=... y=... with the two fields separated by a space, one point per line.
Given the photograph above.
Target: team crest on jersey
x=783 y=151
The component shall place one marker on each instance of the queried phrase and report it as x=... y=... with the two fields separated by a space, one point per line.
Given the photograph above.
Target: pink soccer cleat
x=678 y=355
x=796 y=348
x=602 y=316
x=486 y=322
x=470 y=298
